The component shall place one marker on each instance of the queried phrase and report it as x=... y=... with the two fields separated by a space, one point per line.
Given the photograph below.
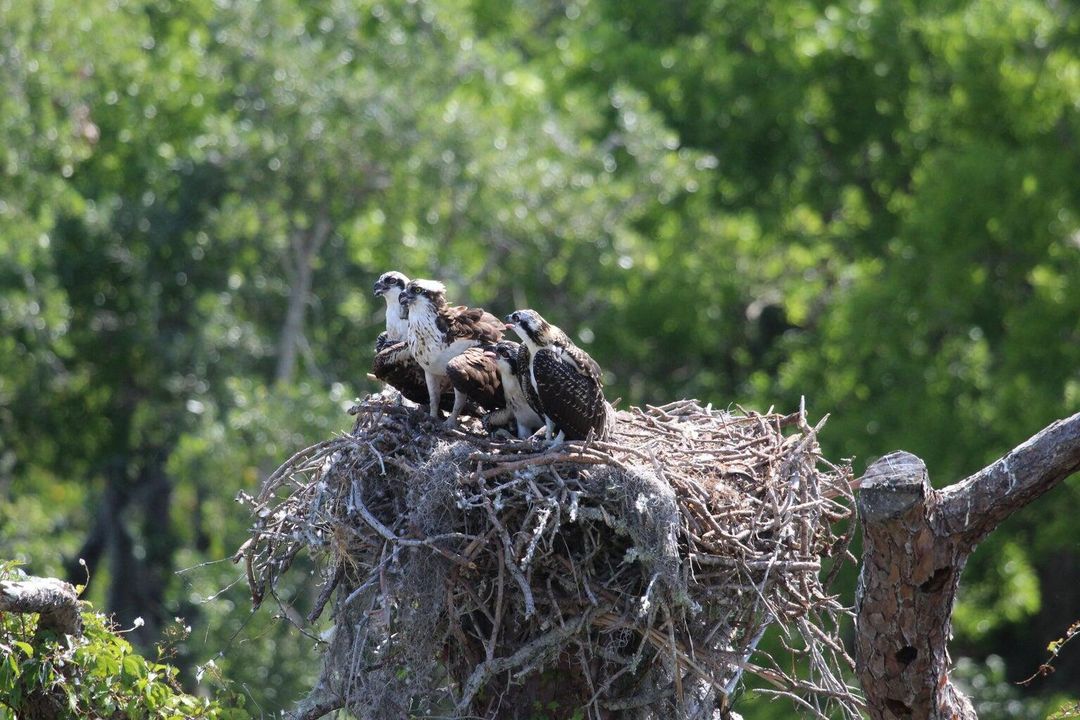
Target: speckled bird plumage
x=475 y=373
x=439 y=332
x=393 y=362
x=564 y=383
x=512 y=360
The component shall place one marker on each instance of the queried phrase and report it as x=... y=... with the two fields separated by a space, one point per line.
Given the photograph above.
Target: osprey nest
x=634 y=577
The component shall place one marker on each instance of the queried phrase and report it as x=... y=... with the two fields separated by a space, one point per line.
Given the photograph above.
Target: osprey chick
x=393 y=363
x=563 y=383
x=475 y=374
x=439 y=332
x=512 y=361
x=389 y=287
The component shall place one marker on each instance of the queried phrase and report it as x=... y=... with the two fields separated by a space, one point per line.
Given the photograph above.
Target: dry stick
x=528 y=652
x=515 y=571
x=324 y=595
x=497 y=624
x=272 y=482
x=505 y=467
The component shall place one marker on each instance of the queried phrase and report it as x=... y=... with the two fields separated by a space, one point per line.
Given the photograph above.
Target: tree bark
x=54 y=600
x=916 y=541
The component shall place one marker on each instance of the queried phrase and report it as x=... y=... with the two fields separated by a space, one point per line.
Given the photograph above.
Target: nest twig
x=647 y=566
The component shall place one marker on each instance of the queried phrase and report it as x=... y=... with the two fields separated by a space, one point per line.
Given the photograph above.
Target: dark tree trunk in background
x=140 y=563
x=916 y=543
x=304 y=246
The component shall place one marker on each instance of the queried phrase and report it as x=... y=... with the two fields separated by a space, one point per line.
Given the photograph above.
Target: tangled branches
x=633 y=577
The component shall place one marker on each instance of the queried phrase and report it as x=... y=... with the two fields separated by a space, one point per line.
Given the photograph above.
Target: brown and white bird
x=389 y=287
x=475 y=374
x=512 y=360
x=439 y=332
x=564 y=385
x=393 y=363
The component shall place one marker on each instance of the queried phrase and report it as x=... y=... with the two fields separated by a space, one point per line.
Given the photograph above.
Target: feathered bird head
x=506 y=355
x=389 y=283
x=531 y=327
x=423 y=292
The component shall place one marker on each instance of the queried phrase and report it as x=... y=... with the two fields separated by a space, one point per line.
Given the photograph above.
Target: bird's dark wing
x=572 y=398
x=471 y=323
x=395 y=366
x=475 y=373
x=585 y=362
x=492 y=327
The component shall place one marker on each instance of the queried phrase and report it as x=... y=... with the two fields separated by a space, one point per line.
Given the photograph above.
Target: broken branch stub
x=54 y=600
x=903 y=603
x=916 y=543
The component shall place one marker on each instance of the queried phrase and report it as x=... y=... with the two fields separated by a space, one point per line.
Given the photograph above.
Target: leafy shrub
x=97 y=674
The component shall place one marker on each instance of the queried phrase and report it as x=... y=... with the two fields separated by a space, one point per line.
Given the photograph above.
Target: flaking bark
x=916 y=543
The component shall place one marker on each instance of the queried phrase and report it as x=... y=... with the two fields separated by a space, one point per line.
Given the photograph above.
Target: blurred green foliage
x=875 y=205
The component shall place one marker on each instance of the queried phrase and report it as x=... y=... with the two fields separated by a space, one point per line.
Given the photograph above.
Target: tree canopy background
x=872 y=204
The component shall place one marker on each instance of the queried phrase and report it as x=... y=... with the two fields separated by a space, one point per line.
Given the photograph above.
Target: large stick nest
x=635 y=576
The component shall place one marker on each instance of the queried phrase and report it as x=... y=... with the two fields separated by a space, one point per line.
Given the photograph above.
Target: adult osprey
x=512 y=361
x=439 y=332
x=563 y=383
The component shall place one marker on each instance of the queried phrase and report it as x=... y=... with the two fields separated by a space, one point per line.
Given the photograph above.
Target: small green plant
x=97 y=674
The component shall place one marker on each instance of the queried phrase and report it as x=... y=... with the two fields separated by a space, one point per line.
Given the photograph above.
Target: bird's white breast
x=427 y=345
x=515 y=398
x=397 y=325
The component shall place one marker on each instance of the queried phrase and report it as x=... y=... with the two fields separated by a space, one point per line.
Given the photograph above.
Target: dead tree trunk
x=916 y=543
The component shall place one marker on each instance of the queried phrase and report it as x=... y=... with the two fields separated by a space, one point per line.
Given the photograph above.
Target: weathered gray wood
x=57 y=606
x=976 y=505
x=916 y=543
x=55 y=601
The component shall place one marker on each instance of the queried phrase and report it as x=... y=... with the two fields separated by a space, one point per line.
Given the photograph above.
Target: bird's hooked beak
x=380 y=289
x=511 y=321
x=403 y=303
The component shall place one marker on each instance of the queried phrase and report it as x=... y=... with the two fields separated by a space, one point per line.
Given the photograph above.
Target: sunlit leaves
x=97 y=674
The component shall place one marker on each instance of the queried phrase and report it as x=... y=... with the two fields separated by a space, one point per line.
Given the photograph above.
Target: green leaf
x=134 y=668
